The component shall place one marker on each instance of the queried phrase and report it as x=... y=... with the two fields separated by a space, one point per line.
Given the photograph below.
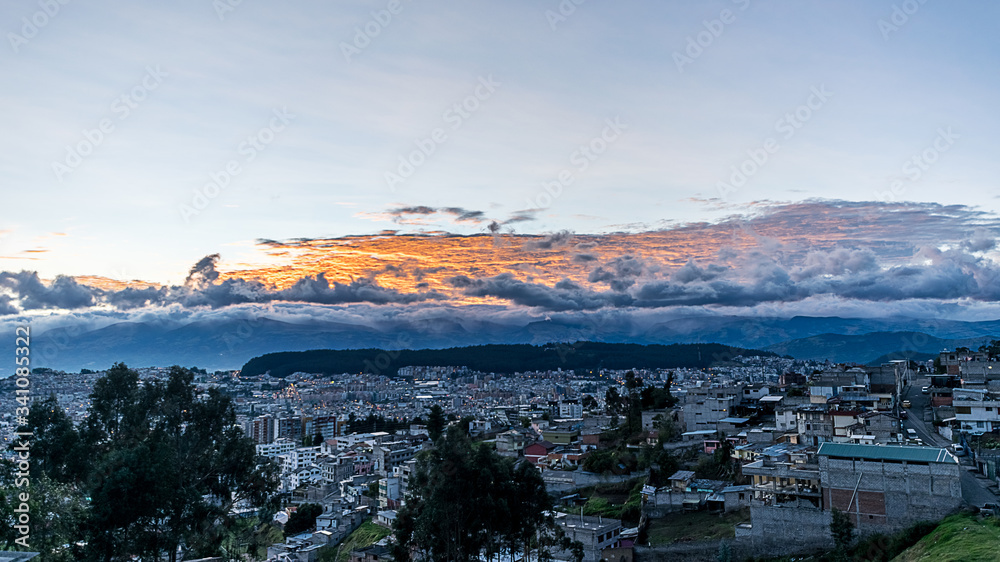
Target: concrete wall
x=800 y=526
x=892 y=495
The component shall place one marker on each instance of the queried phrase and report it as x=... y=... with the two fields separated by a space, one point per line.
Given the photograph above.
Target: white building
x=275 y=449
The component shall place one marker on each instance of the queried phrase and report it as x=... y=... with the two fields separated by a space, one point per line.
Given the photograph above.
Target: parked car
x=911 y=433
x=906 y=403
x=925 y=389
x=990 y=509
x=959 y=449
x=903 y=414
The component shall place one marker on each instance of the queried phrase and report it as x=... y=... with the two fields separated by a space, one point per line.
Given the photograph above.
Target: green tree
x=842 y=530
x=465 y=501
x=163 y=468
x=303 y=519
x=435 y=422
x=613 y=401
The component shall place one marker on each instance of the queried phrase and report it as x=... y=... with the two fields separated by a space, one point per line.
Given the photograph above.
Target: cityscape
x=519 y=281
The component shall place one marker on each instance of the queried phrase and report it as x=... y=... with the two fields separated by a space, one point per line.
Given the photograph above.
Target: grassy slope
x=365 y=535
x=698 y=526
x=959 y=538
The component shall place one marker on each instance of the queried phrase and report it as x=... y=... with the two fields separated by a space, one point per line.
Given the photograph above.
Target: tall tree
x=465 y=501
x=435 y=422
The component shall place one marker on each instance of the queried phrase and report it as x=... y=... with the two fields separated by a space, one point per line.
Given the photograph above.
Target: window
x=963 y=410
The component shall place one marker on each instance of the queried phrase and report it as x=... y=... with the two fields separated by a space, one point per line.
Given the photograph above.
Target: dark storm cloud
x=691 y=272
x=63 y=292
x=203 y=272
x=201 y=288
x=318 y=290
x=565 y=295
x=620 y=273
x=6 y=307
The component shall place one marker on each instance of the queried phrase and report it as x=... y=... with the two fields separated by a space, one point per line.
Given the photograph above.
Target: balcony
x=775 y=470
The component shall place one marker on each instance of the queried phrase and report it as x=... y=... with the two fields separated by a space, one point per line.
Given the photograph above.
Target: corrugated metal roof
x=886 y=452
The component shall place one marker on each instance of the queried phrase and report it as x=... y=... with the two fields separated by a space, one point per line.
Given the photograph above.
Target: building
x=262 y=430
x=275 y=449
x=389 y=455
x=888 y=487
x=570 y=408
x=511 y=443
x=389 y=493
x=596 y=533
x=976 y=411
x=561 y=436
x=814 y=425
x=538 y=450
x=884 y=488
x=705 y=406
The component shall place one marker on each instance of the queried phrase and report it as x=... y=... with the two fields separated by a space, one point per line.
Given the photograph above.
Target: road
x=975 y=487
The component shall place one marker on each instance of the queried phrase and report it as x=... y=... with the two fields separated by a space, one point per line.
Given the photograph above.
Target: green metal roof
x=886 y=452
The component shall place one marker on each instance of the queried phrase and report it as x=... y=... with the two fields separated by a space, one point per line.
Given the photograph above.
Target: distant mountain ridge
x=228 y=344
x=867 y=348
x=499 y=358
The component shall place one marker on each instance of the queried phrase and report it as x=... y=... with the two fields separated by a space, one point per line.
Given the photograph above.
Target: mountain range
x=228 y=344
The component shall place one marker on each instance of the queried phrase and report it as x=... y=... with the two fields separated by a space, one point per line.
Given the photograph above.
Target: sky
x=543 y=156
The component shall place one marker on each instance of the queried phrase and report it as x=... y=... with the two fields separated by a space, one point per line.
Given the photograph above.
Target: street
x=975 y=487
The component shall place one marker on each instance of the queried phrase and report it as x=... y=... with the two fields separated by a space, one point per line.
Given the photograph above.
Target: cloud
x=552 y=241
x=203 y=273
x=981 y=241
x=620 y=273
x=565 y=295
x=6 y=307
x=774 y=255
x=63 y=292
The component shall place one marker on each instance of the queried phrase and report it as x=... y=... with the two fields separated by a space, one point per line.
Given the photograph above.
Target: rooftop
x=886 y=452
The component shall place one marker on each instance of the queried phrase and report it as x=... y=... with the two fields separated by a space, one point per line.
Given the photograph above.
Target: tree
x=465 y=501
x=842 y=530
x=435 y=422
x=163 y=468
x=613 y=401
x=303 y=519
